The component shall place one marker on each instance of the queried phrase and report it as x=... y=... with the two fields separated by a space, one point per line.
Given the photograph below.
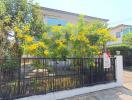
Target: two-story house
x=118 y=31
x=59 y=17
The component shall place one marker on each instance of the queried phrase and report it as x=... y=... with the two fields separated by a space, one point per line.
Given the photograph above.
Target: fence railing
x=33 y=76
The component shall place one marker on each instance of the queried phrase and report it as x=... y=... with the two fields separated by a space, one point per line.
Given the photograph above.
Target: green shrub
x=125 y=50
x=9 y=69
x=9 y=65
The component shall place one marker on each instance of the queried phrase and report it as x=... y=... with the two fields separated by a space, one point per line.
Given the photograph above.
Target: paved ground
x=121 y=93
x=128 y=79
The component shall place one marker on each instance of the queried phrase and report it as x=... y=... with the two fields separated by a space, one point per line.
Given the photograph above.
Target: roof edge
x=120 y=26
x=66 y=12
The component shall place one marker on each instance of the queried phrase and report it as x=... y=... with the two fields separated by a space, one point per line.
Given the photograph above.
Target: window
x=55 y=21
x=118 y=35
x=130 y=30
x=125 y=31
x=59 y=24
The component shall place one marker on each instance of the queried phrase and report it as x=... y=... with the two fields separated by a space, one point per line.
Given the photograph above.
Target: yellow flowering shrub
x=36 y=48
x=102 y=31
x=82 y=37
x=81 y=40
x=60 y=42
x=17 y=29
x=56 y=29
x=32 y=47
x=29 y=49
x=29 y=38
x=26 y=28
x=104 y=36
x=46 y=53
x=72 y=37
x=20 y=35
x=42 y=44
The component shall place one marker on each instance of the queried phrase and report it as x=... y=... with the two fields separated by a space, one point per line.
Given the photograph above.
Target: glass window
x=125 y=31
x=55 y=21
x=118 y=35
x=131 y=30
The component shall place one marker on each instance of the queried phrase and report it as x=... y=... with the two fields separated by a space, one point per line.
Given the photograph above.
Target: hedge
x=125 y=50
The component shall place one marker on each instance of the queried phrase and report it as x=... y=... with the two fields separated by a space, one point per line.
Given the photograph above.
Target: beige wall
x=116 y=29
x=67 y=16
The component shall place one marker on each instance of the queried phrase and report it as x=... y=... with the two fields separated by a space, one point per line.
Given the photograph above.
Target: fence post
x=119 y=69
x=19 y=77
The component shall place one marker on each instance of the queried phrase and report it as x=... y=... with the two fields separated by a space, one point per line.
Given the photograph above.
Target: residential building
x=118 y=31
x=58 y=17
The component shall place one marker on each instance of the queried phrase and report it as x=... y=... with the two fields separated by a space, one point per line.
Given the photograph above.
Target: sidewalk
x=128 y=79
x=120 y=93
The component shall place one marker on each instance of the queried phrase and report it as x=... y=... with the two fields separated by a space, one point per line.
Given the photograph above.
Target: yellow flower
x=102 y=31
x=56 y=29
x=16 y=29
x=79 y=37
x=81 y=33
x=32 y=47
x=20 y=35
x=42 y=44
x=94 y=47
x=86 y=41
x=26 y=28
x=60 y=42
x=29 y=38
x=83 y=38
x=46 y=53
x=72 y=38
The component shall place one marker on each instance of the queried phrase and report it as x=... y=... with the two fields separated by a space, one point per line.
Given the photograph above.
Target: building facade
x=118 y=31
x=58 y=17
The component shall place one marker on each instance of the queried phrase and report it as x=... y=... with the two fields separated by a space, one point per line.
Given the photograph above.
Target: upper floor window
x=125 y=31
x=55 y=21
x=130 y=30
x=59 y=24
x=118 y=35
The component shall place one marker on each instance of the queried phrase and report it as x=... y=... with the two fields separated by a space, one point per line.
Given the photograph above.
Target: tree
x=19 y=17
x=97 y=35
x=80 y=40
x=127 y=39
x=3 y=36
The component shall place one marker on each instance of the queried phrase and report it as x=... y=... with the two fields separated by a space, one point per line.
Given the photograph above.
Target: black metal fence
x=33 y=76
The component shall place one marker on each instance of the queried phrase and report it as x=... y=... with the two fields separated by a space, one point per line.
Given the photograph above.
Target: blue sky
x=117 y=11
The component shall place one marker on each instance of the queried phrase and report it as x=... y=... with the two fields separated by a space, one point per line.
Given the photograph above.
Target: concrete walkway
x=128 y=79
x=120 y=93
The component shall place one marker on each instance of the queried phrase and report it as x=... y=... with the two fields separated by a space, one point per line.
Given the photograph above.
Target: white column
x=119 y=69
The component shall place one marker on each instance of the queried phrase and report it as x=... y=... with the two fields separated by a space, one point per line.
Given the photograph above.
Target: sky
x=117 y=11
